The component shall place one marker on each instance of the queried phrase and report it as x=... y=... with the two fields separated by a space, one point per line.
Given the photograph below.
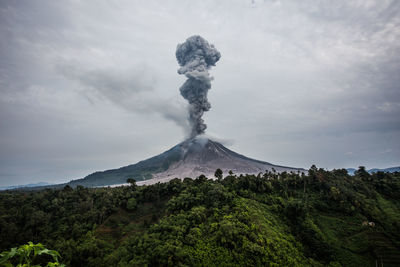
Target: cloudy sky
x=93 y=85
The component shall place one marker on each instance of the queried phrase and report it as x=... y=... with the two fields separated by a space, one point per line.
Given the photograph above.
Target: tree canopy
x=325 y=218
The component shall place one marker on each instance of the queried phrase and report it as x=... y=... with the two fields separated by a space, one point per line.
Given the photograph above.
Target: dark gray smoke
x=196 y=56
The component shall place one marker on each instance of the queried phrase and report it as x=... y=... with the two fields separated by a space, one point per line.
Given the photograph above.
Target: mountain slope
x=204 y=156
x=25 y=186
x=351 y=171
x=140 y=171
x=392 y=169
x=190 y=158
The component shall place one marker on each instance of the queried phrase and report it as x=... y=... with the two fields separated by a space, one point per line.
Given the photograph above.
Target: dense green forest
x=322 y=218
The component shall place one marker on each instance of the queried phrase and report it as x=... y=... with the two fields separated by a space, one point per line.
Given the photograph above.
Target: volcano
x=197 y=155
x=191 y=158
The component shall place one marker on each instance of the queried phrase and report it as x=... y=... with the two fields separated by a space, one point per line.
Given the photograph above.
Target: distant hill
x=23 y=186
x=391 y=170
x=190 y=158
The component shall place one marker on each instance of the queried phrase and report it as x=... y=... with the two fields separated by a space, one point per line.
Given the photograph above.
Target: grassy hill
x=320 y=219
x=142 y=170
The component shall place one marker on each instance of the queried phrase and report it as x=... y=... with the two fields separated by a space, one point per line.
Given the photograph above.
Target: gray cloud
x=132 y=90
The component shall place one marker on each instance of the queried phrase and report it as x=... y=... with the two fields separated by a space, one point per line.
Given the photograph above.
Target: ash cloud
x=196 y=56
x=132 y=90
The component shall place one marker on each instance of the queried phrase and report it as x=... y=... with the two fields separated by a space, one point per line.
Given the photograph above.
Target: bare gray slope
x=204 y=156
x=190 y=158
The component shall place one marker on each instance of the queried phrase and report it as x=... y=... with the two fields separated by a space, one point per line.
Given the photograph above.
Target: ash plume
x=196 y=56
x=131 y=89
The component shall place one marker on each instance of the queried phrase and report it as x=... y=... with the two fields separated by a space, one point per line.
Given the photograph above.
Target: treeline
x=272 y=219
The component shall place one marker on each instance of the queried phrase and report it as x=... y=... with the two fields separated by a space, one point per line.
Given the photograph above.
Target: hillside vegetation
x=290 y=219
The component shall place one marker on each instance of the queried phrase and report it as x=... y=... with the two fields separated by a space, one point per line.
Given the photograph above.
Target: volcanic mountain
x=190 y=158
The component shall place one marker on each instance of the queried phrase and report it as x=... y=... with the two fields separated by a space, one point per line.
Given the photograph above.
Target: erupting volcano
x=196 y=155
x=191 y=158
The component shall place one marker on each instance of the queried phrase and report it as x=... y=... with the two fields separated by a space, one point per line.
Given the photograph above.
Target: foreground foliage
x=30 y=255
x=289 y=219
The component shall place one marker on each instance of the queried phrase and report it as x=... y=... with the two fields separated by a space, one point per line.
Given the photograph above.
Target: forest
x=317 y=218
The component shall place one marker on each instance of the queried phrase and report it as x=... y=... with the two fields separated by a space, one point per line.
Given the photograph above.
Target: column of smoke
x=196 y=56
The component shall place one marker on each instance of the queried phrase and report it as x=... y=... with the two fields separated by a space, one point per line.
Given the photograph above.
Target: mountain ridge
x=38 y=184
x=351 y=171
x=189 y=158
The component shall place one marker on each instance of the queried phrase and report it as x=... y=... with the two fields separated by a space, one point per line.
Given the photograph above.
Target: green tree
x=335 y=193
x=218 y=174
x=362 y=173
x=132 y=183
x=131 y=204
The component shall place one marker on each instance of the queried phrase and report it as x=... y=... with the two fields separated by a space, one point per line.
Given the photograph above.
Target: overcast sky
x=93 y=85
